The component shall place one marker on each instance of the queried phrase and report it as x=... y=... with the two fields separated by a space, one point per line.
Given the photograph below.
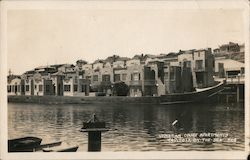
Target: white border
x=225 y=4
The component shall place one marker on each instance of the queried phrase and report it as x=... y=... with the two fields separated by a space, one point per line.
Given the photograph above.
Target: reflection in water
x=134 y=127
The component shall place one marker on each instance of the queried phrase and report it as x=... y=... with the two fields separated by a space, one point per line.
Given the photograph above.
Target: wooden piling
x=94 y=129
x=238 y=93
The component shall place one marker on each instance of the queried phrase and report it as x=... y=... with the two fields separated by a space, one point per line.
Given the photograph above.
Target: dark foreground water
x=135 y=127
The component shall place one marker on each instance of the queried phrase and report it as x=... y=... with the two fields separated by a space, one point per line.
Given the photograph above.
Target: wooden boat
x=196 y=96
x=53 y=144
x=25 y=144
x=61 y=149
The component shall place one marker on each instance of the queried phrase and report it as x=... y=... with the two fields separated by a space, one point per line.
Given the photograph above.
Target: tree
x=121 y=89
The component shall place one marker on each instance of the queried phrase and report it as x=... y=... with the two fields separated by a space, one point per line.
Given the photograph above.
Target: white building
x=14 y=87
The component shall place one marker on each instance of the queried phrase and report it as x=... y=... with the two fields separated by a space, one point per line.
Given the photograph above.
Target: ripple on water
x=134 y=128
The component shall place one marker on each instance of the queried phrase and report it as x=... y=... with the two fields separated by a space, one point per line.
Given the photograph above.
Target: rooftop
x=230 y=64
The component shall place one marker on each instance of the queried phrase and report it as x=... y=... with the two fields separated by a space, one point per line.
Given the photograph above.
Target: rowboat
x=25 y=144
x=61 y=149
x=33 y=144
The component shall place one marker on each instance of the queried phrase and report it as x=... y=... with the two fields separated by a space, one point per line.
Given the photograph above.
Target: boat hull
x=25 y=144
x=67 y=149
x=190 y=97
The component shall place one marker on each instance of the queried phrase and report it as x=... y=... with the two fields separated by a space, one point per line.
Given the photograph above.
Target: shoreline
x=83 y=100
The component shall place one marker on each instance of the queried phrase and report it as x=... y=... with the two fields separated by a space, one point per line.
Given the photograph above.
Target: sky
x=45 y=37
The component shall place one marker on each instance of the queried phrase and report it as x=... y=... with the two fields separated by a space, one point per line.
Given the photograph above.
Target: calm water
x=134 y=127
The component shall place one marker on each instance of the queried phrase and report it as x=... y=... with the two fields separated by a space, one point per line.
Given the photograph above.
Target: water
x=134 y=127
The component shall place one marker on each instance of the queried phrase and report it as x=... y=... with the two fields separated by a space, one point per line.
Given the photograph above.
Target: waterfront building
x=28 y=87
x=57 y=82
x=199 y=63
x=121 y=74
x=154 y=78
x=39 y=86
x=69 y=86
x=172 y=79
x=135 y=76
x=145 y=75
x=231 y=68
x=203 y=68
x=14 y=86
x=107 y=78
x=74 y=80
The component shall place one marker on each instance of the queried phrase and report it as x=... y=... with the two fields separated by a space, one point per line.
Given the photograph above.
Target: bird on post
x=93 y=119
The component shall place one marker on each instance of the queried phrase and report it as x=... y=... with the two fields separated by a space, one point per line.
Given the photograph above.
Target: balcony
x=146 y=83
x=200 y=69
x=135 y=83
x=150 y=82
x=106 y=83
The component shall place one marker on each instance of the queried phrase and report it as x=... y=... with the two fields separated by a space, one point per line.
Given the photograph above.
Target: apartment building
x=14 y=86
x=144 y=75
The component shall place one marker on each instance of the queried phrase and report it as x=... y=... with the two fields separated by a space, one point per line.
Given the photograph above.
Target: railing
x=150 y=82
x=232 y=79
x=146 y=82
x=106 y=83
x=135 y=83
x=235 y=79
x=199 y=69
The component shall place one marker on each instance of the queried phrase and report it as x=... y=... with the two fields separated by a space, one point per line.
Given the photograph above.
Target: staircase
x=161 y=87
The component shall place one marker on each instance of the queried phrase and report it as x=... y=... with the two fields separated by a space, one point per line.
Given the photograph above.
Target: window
x=81 y=73
x=117 y=77
x=9 y=88
x=75 y=88
x=198 y=64
x=83 y=87
x=76 y=79
x=15 y=88
x=106 y=78
x=172 y=74
x=27 y=88
x=95 y=78
x=124 y=77
x=67 y=88
x=88 y=77
x=35 y=86
x=22 y=88
x=187 y=64
x=136 y=77
x=47 y=88
x=12 y=88
x=166 y=75
x=40 y=88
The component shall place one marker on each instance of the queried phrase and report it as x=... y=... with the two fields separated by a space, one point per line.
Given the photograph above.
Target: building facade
x=145 y=75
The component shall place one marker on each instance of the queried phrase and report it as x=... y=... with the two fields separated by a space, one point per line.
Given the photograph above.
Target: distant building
x=231 y=68
x=231 y=50
x=14 y=86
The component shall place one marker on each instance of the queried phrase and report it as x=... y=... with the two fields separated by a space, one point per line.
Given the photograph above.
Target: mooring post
x=94 y=128
x=238 y=93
